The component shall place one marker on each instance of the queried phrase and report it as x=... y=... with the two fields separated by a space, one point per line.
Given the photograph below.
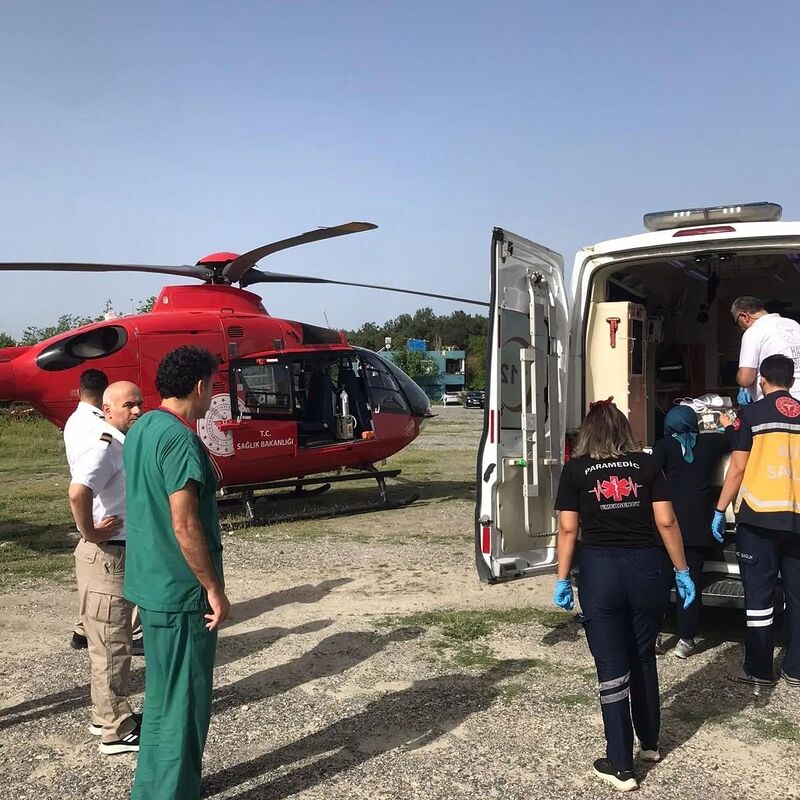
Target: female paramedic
x=689 y=460
x=614 y=492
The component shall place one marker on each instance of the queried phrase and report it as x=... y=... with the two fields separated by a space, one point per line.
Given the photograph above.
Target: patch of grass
x=778 y=727
x=461 y=630
x=702 y=714
x=468 y=625
x=574 y=700
x=35 y=521
x=509 y=692
x=475 y=657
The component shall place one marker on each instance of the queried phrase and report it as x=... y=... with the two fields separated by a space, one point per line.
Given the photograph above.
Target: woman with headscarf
x=689 y=459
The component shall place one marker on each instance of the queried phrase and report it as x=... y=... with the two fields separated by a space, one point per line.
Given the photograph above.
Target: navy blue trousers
x=623 y=594
x=762 y=554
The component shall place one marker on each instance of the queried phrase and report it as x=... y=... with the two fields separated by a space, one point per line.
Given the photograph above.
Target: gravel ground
x=326 y=689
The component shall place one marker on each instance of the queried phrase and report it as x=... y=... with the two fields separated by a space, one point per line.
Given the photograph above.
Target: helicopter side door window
x=384 y=389
x=263 y=391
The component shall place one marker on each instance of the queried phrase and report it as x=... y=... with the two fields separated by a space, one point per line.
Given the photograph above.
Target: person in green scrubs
x=174 y=574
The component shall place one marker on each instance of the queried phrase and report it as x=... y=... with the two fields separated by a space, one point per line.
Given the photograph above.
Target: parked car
x=474 y=399
x=451 y=399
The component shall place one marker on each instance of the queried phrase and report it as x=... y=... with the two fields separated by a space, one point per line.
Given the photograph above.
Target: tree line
x=66 y=322
x=460 y=330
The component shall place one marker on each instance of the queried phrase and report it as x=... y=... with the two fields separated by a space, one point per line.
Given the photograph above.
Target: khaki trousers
x=106 y=615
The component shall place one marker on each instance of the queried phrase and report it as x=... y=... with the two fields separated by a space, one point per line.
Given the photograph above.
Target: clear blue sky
x=159 y=132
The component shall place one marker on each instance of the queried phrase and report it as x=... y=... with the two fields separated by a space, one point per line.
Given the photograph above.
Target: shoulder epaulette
x=106 y=437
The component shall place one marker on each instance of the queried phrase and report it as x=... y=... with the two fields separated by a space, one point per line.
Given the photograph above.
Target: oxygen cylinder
x=345 y=427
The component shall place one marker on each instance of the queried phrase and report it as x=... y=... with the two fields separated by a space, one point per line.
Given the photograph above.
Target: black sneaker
x=741 y=675
x=138 y=647
x=621 y=781
x=97 y=730
x=127 y=744
x=78 y=642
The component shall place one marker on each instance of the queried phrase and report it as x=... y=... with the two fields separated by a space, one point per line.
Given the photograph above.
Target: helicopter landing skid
x=321 y=484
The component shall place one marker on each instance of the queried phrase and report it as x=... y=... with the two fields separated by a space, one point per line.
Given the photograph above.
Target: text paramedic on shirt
x=764 y=335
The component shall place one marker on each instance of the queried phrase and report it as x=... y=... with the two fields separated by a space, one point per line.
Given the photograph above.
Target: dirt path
x=316 y=699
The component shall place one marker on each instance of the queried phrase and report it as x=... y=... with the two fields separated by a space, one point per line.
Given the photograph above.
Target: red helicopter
x=292 y=401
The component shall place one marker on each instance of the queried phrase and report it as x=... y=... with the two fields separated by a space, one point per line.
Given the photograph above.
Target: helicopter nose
x=7 y=382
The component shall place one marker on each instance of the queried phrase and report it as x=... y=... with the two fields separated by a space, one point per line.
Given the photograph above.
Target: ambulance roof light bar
x=688 y=217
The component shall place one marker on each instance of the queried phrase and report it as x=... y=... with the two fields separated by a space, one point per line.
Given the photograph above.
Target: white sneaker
x=685 y=648
x=649 y=755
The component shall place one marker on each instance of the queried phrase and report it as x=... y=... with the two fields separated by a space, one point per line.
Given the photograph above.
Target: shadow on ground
x=407 y=719
x=332 y=656
x=230 y=649
x=272 y=509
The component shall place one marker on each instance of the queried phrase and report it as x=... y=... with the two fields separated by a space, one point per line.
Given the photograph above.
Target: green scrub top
x=161 y=455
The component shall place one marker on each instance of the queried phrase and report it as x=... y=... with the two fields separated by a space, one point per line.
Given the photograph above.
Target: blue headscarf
x=681 y=424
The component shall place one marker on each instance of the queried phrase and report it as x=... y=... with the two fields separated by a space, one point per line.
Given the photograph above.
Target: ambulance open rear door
x=522 y=447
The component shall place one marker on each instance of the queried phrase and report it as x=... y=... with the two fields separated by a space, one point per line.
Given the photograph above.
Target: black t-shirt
x=690 y=484
x=614 y=498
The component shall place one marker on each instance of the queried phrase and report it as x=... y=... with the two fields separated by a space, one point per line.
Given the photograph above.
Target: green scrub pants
x=179 y=676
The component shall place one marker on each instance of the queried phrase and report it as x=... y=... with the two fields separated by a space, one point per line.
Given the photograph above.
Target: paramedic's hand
x=685 y=586
x=562 y=594
x=744 y=398
x=718 y=526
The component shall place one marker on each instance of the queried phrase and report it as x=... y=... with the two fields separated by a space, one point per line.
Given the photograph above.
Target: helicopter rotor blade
x=261 y=276
x=183 y=270
x=239 y=266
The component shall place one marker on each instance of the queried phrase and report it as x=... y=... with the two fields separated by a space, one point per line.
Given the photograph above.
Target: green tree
x=66 y=322
x=451 y=330
x=418 y=365
x=6 y=340
x=144 y=306
x=476 y=361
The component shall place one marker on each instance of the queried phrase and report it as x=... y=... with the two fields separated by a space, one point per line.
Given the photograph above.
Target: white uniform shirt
x=98 y=466
x=771 y=335
x=78 y=430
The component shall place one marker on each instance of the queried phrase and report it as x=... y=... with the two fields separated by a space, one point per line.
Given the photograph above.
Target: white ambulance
x=648 y=322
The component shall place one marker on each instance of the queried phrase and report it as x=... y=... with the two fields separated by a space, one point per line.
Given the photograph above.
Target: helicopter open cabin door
x=522 y=446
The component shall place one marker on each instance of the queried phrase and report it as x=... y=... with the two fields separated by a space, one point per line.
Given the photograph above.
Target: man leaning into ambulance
x=763 y=479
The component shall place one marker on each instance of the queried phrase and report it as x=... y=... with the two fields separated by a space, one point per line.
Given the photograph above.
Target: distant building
x=450 y=375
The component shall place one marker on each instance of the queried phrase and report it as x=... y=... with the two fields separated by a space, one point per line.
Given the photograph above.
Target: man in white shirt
x=97 y=500
x=78 y=432
x=764 y=335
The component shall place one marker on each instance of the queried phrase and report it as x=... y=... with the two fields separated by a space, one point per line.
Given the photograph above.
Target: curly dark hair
x=181 y=369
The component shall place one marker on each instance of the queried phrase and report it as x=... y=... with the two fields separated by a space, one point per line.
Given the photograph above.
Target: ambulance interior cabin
x=661 y=330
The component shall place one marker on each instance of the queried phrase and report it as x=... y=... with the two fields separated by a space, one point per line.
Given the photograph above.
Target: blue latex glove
x=744 y=398
x=562 y=595
x=685 y=586
x=718 y=526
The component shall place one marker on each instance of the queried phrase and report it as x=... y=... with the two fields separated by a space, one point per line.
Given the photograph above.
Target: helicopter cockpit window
x=263 y=390
x=384 y=389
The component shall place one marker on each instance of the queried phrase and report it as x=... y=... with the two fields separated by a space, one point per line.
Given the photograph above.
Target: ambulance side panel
x=522 y=447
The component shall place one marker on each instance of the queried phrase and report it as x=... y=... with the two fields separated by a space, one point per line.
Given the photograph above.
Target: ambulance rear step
x=721 y=591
